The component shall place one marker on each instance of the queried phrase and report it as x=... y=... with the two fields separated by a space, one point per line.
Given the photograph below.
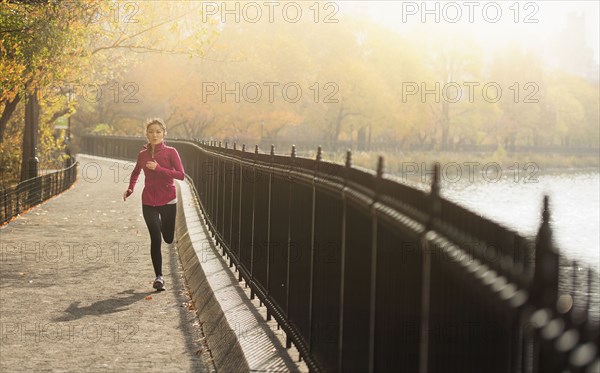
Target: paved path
x=76 y=286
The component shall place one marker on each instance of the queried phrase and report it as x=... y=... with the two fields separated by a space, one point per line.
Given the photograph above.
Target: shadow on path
x=102 y=307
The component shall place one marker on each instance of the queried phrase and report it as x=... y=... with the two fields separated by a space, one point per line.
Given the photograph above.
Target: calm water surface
x=574 y=202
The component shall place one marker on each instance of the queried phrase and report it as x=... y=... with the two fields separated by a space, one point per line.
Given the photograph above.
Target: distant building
x=571 y=52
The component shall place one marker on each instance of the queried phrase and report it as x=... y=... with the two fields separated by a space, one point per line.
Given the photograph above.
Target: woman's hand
x=151 y=165
x=127 y=193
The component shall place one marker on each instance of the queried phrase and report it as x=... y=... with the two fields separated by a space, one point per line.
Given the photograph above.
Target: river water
x=575 y=218
x=517 y=204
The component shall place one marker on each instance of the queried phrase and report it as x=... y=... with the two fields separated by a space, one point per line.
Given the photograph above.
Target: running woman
x=161 y=164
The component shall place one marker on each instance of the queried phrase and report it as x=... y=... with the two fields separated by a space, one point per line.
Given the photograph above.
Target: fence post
x=253 y=216
x=372 y=293
x=318 y=160
x=288 y=340
x=269 y=211
x=544 y=287
x=348 y=166
x=434 y=210
x=239 y=215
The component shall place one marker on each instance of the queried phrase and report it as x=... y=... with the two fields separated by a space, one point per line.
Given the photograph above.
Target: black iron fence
x=397 y=147
x=369 y=275
x=31 y=192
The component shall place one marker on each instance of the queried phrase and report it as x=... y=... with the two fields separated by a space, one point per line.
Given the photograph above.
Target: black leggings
x=159 y=219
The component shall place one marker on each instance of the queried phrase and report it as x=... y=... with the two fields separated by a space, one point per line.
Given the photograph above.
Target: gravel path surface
x=76 y=286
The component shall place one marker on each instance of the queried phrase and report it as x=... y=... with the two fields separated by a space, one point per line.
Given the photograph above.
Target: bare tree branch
x=119 y=41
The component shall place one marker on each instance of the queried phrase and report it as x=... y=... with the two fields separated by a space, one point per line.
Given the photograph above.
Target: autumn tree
x=61 y=49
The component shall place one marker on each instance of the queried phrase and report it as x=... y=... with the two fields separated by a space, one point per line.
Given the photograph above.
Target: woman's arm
x=178 y=172
x=134 y=176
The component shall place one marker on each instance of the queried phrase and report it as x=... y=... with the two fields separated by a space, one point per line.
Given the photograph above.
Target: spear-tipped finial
x=243 y=147
x=234 y=146
x=319 y=154
x=272 y=149
x=545 y=231
x=380 y=167
x=255 y=149
x=435 y=183
x=220 y=144
x=293 y=151
x=349 y=158
x=546 y=210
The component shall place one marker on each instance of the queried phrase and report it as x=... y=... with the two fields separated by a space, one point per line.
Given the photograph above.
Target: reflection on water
x=574 y=203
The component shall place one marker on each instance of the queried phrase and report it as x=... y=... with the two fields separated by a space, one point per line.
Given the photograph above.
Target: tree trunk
x=445 y=140
x=9 y=109
x=445 y=125
x=29 y=160
x=337 y=124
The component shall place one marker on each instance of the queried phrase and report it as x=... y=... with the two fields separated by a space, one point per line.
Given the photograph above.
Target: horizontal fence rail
x=369 y=275
x=31 y=192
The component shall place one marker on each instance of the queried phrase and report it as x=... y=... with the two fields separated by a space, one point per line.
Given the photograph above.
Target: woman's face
x=155 y=134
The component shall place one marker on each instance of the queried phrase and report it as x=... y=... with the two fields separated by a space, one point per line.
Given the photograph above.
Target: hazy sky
x=531 y=22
